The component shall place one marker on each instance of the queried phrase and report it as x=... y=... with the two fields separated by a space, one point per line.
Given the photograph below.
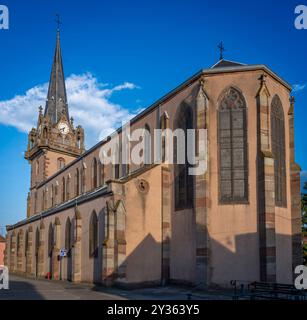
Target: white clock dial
x=63 y=128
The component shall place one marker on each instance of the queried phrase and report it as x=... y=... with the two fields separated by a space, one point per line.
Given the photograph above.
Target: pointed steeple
x=56 y=104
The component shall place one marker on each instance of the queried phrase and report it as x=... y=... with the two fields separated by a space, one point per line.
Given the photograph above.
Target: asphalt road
x=33 y=289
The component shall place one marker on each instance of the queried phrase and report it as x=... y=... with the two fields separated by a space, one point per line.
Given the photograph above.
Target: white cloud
x=89 y=105
x=299 y=87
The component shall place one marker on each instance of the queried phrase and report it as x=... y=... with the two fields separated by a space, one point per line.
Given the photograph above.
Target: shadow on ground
x=20 y=290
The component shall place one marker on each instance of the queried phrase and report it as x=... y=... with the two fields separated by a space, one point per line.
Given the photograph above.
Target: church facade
x=145 y=224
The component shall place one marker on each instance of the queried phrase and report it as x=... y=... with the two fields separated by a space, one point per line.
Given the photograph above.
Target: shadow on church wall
x=237 y=259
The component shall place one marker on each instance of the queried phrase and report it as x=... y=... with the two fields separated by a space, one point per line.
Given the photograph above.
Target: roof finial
x=58 y=22
x=222 y=50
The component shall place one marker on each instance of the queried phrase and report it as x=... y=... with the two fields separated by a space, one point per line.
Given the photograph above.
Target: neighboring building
x=154 y=224
x=2 y=250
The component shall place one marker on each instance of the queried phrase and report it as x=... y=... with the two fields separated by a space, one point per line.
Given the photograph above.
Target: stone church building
x=137 y=225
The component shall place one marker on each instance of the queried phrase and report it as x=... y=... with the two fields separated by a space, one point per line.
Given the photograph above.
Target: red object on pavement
x=48 y=275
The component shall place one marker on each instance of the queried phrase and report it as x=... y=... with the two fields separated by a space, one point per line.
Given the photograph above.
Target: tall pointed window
x=147 y=145
x=232 y=143
x=68 y=236
x=163 y=127
x=279 y=151
x=26 y=242
x=94 y=174
x=50 y=239
x=68 y=188
x=77 y=183
x=101 y=174
x=83 y=179
x=183 y=180
x=43 y=200
x=63 y=189
x=115 y=165
x=35 y=202
x=52 y=195
x=18 y=242
x=37 y=242
x=93 y=235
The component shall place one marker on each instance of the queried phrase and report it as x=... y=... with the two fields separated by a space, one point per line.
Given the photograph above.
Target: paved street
x=31 y=289
x=24 y=288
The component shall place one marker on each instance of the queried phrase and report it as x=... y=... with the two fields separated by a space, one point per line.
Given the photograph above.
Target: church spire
x=56 y=104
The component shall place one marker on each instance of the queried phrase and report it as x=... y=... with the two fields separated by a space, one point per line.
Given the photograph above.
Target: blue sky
x=127 y=54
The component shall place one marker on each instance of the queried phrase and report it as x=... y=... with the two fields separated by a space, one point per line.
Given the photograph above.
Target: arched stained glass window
x=183 y=180
x=279 y=151
x=232 y=142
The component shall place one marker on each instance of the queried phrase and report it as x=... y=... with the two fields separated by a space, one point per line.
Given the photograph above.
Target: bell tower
x=55 y=141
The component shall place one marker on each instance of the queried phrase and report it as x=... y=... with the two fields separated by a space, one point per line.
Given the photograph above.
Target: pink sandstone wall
x=2 y=248
x=233 y=229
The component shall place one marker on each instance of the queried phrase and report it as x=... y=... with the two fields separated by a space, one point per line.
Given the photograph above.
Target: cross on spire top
x=222 y=50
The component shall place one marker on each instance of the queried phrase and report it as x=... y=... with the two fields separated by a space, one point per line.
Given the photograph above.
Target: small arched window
x=232 y=144
x=279 y=151
x=94 y=174
x=61 y=163
x=45 y=133
x=93 y=235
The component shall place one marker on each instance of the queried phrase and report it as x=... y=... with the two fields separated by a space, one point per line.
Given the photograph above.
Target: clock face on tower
x=63 y=128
